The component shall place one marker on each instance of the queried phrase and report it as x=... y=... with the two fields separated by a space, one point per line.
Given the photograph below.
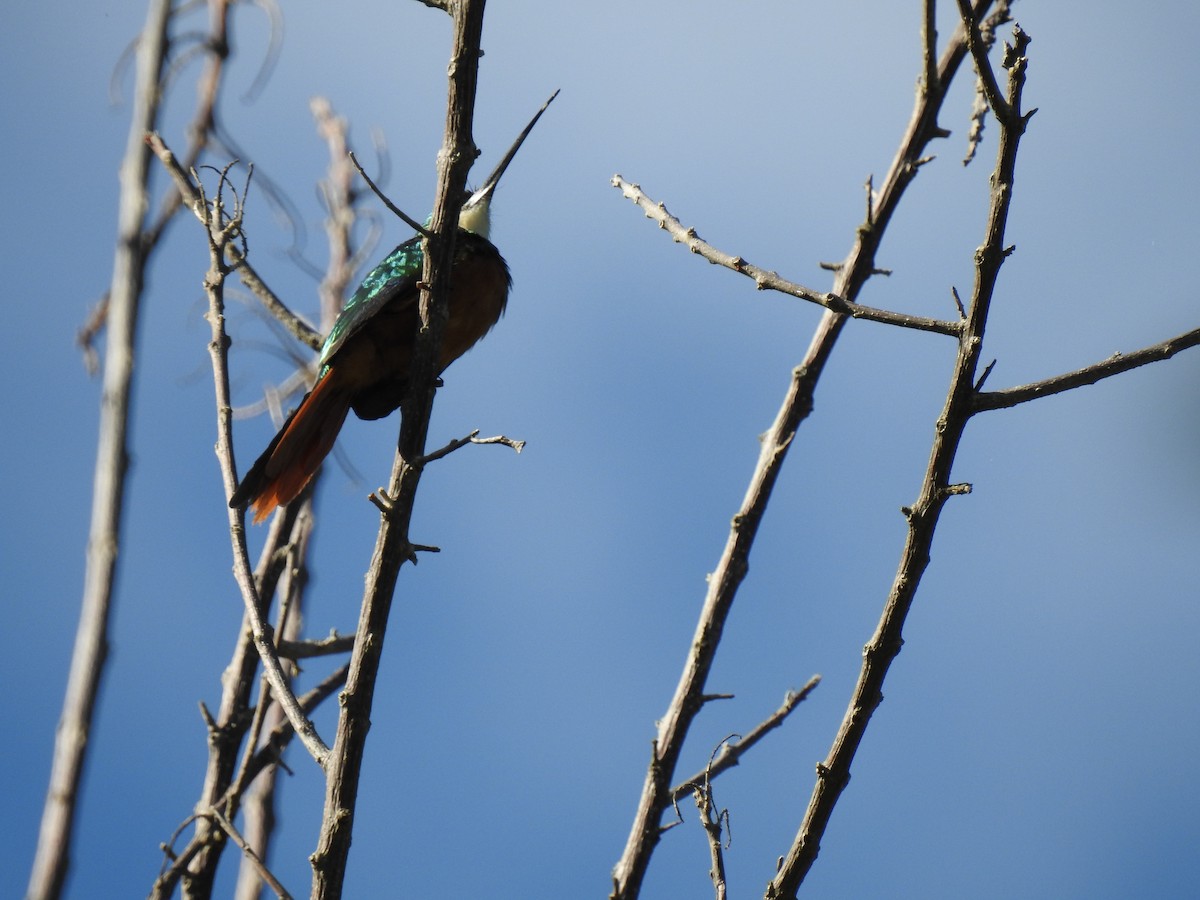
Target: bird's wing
x=396 y=276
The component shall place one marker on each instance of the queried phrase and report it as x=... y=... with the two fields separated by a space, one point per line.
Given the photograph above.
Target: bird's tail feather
x=293 y=457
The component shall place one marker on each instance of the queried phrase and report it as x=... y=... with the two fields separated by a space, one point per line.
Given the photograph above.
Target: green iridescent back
x=399 y=270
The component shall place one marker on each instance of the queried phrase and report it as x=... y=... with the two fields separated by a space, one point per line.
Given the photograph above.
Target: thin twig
x=340 y=199
x=472 y=438
x=765 y=280
x=396 y=211
x=221 y=234
x=294 y=324
x=1114 y=365
x=983 y=66
x=258 y=800
x=249 y=854
x=326 y=646
x=225 y=734
x=713 y=820
x=731 y=753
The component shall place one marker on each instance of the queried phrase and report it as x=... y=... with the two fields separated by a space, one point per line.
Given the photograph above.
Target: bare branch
x=765 y=280
x=1114 y=365
x=222 y=233
x=713 y=820
x=834 y=773
x=194 y=201
x=267 y=755
x=472 y=438
x=983 y=66
x=248 y=853
x=392 y=546
x=731 y=753
x=112 y=459
x=327 y=646
x=733 y=565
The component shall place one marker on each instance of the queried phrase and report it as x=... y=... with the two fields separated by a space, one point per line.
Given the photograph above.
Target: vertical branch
x=228 y=729
x=204 y=121
x=257 y=798
x=929 y=44
x=340 y=199
x=834 y=773
x=223 y=231
x=91 y=640
x=392 y=546
x=733 y=565
x=222 y=235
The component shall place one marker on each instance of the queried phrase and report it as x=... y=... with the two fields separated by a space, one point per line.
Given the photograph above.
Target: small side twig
x=326 y=646
x=983 y=66
x=472 y=438
x=249 y=854
x=731 y=753
x=714 y=821
x=1114 y=365
x=395 y=210
x=300 y=329
x=765 y=280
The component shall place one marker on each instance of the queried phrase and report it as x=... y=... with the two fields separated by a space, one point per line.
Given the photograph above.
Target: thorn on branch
x=209 y=722
x=962 y=310
x=984 y=377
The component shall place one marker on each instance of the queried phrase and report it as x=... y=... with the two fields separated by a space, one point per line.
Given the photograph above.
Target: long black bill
x=492 y=180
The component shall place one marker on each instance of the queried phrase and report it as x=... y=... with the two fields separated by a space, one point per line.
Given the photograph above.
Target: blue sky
x=1040 y=729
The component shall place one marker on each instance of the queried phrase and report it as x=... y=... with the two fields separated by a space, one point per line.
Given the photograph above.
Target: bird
x=365 y=360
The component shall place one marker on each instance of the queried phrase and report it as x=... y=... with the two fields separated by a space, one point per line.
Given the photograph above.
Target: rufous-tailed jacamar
x=364 y=363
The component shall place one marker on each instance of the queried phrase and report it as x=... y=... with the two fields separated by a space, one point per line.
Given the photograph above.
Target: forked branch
x=723 y=584
x=834 y=773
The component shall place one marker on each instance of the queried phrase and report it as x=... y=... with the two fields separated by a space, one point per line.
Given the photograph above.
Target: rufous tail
x=295 y=454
